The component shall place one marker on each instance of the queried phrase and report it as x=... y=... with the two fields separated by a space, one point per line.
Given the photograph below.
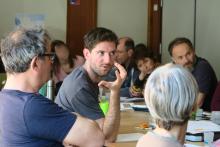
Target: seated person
x=183 y=53
x=80 y=89
x=28 y=119
x=146 y=63
x=216 y=99
x=170 y=95
x=124 y=56
x=64 y=62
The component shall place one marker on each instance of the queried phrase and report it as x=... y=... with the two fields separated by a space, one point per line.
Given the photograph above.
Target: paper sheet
x=133 y=99
x=126 y=106
x=190 y=145
x=129 y=137
x=202 y=126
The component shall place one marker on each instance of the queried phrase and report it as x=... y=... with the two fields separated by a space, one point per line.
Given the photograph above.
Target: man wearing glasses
x=27 y=118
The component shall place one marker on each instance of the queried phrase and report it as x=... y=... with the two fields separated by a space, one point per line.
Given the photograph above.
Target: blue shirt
x=31 y=120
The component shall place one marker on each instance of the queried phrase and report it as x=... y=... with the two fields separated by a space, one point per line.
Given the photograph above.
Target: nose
x=107 y=58
x=185 y=60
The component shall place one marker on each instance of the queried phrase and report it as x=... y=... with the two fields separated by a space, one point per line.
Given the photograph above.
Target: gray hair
x=170 y=95
x=21 y=46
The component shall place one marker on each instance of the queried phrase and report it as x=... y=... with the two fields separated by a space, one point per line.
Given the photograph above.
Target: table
x=130 y=120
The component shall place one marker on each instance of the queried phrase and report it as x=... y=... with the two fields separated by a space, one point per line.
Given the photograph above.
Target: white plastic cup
x=208 y=138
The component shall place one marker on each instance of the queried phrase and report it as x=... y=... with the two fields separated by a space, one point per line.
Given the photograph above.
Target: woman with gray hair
x=170 y=95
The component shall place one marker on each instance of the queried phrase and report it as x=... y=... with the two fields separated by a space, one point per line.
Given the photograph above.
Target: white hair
x=171 y=93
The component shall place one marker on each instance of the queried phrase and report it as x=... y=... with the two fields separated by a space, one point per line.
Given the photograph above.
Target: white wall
x=124 y=17
x=178 y=21
x=54 y=11
x=208 y=32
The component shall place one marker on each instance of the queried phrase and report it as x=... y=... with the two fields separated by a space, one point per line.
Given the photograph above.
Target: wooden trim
x=154 y=26
x=80 y=19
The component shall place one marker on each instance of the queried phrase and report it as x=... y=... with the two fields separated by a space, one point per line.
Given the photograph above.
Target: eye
x=112 y=53
x=188 y=53
x=101 y=53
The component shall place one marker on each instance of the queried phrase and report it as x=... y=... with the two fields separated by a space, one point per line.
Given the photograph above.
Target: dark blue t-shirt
x=31 y=120
x=206 y=79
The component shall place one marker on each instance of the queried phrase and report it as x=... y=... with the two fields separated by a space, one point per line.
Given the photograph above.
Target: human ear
x=86 y=53
x=34 y=65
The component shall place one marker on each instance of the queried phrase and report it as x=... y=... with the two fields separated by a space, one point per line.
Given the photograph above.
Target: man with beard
x=182 y=52
x=80 y=89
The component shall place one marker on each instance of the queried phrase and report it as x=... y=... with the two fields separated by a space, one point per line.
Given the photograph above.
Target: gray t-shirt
x=79 y=94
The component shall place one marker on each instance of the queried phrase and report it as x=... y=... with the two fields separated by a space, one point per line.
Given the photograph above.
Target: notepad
x=129 y=137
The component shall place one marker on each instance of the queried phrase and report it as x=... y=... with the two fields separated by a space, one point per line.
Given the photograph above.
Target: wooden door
x=155 y=26
x=81 y=17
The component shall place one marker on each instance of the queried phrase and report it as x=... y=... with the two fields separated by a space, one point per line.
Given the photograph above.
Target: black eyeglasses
x=50 y=55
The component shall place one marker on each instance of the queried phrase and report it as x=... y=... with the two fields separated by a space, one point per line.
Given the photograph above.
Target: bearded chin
x=190 y=68
x=99 y=73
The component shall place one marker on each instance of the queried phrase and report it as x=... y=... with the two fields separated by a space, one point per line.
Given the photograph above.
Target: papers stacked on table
x=133 y=99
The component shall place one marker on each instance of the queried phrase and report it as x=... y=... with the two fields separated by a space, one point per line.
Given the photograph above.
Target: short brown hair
x=178 y=41
x=97 y=35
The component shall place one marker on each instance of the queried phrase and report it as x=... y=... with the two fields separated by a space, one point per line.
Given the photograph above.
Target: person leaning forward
x=80 y=89
x=28 y=119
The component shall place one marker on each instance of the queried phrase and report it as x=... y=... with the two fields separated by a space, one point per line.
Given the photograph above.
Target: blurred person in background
x=146 y=62
x=64 y=62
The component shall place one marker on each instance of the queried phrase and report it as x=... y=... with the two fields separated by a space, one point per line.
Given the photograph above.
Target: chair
x=215 y=105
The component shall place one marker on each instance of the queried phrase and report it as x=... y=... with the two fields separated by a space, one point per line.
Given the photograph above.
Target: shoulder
x=144 y=141
x=203 y=68
x=41 y=107
x=77 y=78
x=76 y=83
x=202 y=64
x=39 y=103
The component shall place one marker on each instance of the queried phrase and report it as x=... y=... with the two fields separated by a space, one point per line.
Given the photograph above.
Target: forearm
x=200 y=99
x=112 y=119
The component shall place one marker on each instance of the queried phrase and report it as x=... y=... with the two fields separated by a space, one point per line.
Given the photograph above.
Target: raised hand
x=120 y=77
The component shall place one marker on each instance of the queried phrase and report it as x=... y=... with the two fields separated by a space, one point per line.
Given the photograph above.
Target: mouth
x=106 y=67
x=188 y=65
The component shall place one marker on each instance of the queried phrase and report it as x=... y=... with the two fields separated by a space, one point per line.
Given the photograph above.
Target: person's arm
x=84 y=132
x=110 y=124
x=200 y=99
